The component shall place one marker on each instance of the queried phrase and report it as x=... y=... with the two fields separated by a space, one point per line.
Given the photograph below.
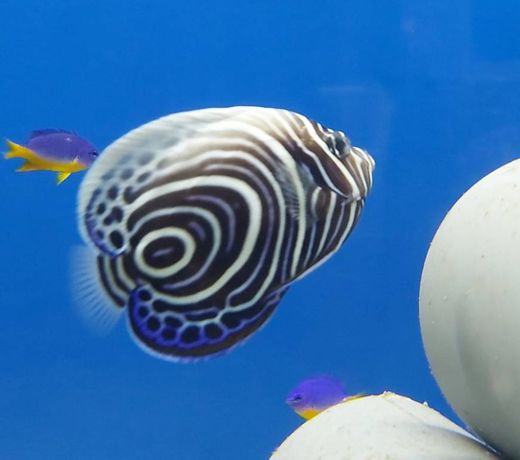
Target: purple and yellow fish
x=316 y=394
x=54 y=150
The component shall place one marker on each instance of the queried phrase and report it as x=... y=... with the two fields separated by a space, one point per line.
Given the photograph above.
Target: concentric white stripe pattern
x=201 y=220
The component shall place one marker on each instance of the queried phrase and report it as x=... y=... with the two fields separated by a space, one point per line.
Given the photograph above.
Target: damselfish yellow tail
x=33 y=162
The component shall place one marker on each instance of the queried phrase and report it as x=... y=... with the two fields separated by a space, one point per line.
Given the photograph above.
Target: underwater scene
x=226 y=230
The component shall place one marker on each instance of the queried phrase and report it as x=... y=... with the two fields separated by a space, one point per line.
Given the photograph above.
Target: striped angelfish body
x=199 y=221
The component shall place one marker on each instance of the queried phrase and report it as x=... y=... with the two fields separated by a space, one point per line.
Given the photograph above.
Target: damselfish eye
x=94 y=154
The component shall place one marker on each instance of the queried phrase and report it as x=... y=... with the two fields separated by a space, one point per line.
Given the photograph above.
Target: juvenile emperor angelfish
x=197 y=223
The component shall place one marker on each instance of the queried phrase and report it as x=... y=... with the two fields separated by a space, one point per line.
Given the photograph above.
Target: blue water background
x=430 y=88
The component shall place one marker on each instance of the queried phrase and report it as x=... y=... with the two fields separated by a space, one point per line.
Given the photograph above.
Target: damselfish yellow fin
x=19 y=151
x=351 y=398
x=307 y=414
x=26 y=167
x=61 y=177
x=35 y=162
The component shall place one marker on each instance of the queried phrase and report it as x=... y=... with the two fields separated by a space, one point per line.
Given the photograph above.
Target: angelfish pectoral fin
x=297 y=192
x=61 y=177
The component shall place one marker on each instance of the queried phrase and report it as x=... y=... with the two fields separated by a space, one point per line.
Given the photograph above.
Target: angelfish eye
x=340 y=144
x=330 y=143
x=343 y=145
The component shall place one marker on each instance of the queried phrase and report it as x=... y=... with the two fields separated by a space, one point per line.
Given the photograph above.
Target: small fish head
x=86 y=152
x=296 y=400
x=88 y=156
x=64 y=146
x=316 y=393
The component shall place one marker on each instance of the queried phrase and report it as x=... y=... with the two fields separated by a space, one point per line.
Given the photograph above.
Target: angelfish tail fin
x=92 y=301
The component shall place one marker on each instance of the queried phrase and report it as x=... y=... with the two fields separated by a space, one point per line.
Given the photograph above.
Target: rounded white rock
x=386 y=426
x=470 y=308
